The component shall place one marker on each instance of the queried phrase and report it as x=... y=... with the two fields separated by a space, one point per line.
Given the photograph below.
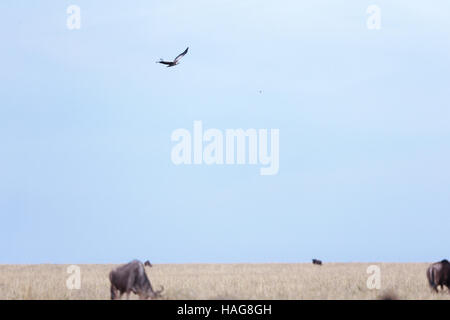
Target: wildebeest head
x=147 y=264
x=131 y=277
x=438 y=274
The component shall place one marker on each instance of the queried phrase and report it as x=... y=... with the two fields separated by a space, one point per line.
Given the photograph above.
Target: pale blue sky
x=86 y=118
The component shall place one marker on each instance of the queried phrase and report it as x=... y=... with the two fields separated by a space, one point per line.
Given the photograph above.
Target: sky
x=86 y=118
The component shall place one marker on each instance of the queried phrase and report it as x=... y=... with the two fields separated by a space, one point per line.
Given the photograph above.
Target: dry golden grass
x=227 y=281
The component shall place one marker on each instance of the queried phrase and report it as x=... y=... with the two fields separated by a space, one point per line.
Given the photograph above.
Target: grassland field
x=226 y=281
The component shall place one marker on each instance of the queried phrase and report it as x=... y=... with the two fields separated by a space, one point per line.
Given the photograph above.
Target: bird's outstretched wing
x=164 y=62
x=181 y=55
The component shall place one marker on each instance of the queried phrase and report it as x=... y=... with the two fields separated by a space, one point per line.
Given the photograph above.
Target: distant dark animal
x=438 y=274
x=318 y=262
x=389 y=295
x=131 y=277
x=147 y=264
x=175 y=61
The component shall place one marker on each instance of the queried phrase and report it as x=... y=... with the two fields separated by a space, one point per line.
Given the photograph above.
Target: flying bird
x=175 y=61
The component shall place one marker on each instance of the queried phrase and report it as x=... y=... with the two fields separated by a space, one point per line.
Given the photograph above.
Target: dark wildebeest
x=131 y=277
x=438 y=274
x=147 y=264
x=318 y=262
